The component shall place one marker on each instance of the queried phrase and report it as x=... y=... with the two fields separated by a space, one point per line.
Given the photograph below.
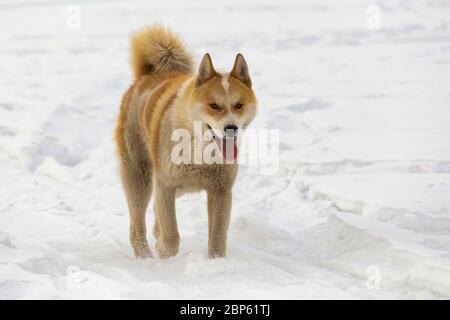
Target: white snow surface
x=358 y=209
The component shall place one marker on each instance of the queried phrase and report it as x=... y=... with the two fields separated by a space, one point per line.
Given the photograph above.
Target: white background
x=359 y=207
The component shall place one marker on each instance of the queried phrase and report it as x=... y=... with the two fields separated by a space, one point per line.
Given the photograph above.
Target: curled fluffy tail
x=155 y=49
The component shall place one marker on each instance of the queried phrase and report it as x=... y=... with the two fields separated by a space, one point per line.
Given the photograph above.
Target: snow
x=358 y=207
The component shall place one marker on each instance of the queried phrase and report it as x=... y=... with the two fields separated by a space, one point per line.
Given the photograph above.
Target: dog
x=167 y=95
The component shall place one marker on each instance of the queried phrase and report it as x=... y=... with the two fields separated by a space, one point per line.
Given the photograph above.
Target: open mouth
x=226 y=145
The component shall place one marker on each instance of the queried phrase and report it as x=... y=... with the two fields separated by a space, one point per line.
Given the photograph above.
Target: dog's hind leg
x=168 y=238
x=136 y=172
x=137 y=183
x=135 y=169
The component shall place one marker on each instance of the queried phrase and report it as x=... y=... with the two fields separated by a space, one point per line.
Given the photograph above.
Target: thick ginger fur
x=157 y=50
x=166 y=96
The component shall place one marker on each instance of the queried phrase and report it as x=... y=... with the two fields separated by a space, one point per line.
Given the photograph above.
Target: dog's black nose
x=231 y=130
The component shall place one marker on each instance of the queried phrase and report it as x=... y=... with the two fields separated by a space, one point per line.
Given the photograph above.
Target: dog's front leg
x=168 y=238
x=219 y=209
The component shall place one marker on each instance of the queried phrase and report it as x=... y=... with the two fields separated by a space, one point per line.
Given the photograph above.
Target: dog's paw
x=141 y=250
x=216 y=252
x=166 y=250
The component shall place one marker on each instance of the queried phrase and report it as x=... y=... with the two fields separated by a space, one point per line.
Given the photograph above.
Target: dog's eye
x=214 y=106
x=238 y=105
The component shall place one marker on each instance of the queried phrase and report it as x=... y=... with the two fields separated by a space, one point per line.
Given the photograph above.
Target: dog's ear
x=205 y=71
x=240 y=70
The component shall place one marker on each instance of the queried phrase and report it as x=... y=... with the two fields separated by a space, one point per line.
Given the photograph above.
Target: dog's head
x=224 y=102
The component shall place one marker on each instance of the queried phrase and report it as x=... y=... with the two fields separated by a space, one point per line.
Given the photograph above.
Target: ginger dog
x=165 y=96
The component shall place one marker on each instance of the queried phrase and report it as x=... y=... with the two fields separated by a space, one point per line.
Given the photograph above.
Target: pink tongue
x=228 y=148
